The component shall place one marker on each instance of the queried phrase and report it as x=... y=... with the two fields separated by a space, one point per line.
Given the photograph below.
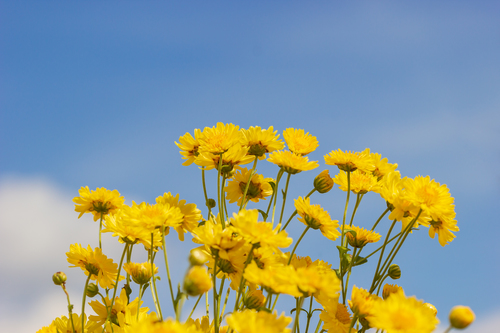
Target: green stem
x=116 y=286
x=309 y=314
x=318 y=326
x=83 y=301
x=242 y=282
x=448 y=329
x=70 y=307
x=195 y=305
x=100 y=231
x=296 y=244
x=380 y=218
x=358 y=201
x=215 y=296
x=274 y=197
x=247 y=185
x=298 y=307
x=353 y=258
x=343 y=233
x=219 y=203
x=382 y=254
x=225 y=303
x=284 y=198
x=390 y=240
x=154 y=291
x=168 y=269
x=205 y=192
x=139 y=302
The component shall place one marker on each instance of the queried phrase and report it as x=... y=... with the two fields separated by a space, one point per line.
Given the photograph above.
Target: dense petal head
x=290 y=162
x=100 y=202
x=260 y=141
x=299 y=142
x=219 y=139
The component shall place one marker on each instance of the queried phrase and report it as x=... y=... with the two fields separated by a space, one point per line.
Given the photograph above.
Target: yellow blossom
x=235 y=156
x=349 y=161
x=190 y=214
x=299 y=142
x=316 y=217
x=290 y=162
x=251 y=321
x=259 y=187
x=260 y=141
x=100 y=202
x=361 y=236
x=360 y=182
x=120 y=306
x=189 y=146
x=219 y=139
x=197 y=281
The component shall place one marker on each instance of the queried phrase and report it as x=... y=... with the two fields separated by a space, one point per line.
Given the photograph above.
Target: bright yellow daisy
x=219 y=139
x=350 y=161
x=151 y=324
x=100 y=202
x=401 y=314
x=259 y=187
x=316 y=217
x=155 y=216
x=362 y=302
x=121 y=305
x=299 y=142
x=95 y=263
x=390 y=289
x=63 y=324
x=290 y=162
x=260 y=141
x=189 y=146
x=360 y=182
x=235 y=155
x=191 y=215
x=197 y=281
x=335 y=316
x=360 y=237
x=443 y=228
x=381 y=166
x=251 y=321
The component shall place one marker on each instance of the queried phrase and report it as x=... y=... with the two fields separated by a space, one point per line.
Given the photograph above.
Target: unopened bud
x=92 y=269
x=323 y=182
x=92 y=290
x=461 y=316
x=197 y=281
x=255 y=299
x=59 y=278
x=432 y=308
x=197 y=257
x=394 y=272
x=211 y=203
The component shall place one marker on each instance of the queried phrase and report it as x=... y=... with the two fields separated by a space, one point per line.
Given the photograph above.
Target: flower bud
x=255 y=299
x=461 y=316
x=197 y=281
x=92 y=269
x=323 y=182
x=390 y=289
x=92 y=290
x=312 y=222
x=59 y=278
x=432 y=308
x=394 y=272
x=197 y=257
x=211 y=203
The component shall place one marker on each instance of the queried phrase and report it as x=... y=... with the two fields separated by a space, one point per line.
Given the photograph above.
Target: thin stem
x=100 y=231
x=168 y=269
x=318 y=326
x=296 y=244
x=225 y=303
x=221 y=211
x=242 y=282
x=215 y=296
x=195 y=305
x=116 y=286
x=448 y=329
x=382 y=253
x=298 y=306
x=380 y=218
x=70 y=307
x=205 y=191
x=284 y=197
x=139 y=302
x=275 y=191
x=309 y=314
x=390 y=240
x=83 y=300
x=341 y=254
x=154 y=291
x=247 y=185
x=353 y=258
x=358 y=201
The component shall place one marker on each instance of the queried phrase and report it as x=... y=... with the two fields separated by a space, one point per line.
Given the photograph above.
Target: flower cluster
x=238 y=259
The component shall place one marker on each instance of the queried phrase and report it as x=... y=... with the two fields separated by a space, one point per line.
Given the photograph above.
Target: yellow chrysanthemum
x=63 y=324
x=381 y=166
x=48 y=329
x=219 y=139
x=212 y=235
x=151 y=324
x=234 y=156
x=273 y=278
x=361 y=237
x=313 y=279
x=130 y=230
x=261 y=233
x=391 y=187
x=316 y=217
x=290 y=162
x=401 y=314
x=259 y=187
x=120 y=306
x=151 y=217
x=443 y=228
x=251 y=321
x=336 y=317
x=94 y=262
x=362 y=302
x=360 y=182
x=349 y=161
x=299 y=142
x=141 y=273
x=99 y=202
x=390 y=289
x=189 y=146
x=260 y=141
x=190 y=214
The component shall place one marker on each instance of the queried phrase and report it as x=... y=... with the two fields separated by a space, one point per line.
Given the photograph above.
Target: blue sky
x=95 y=94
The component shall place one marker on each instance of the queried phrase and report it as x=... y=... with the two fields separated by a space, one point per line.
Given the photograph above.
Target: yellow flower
x=151 y=324
x=299 y=142
x=259 y=233
x=93 y=261
x=335 y=316
x=219 y=139
x=323 y=183
x=190 y=214
x=141 y=273
x=189 y=146
x=234 y=156
x=197 y=281
x=63 y=324
x=316 y=217
x=398 y=314
x=49 y=329
x=391 y=187
x=99 y=202
x=313 y=279
x=390 y=289
x=121 y=306
x=290 y=162
x=260 y=141
x=461 y=316
x=349 y=161
x=273 y=278
x=259 y=187
x=362 y=302
x=251 y=321
x=444 y=230
x=212 y=235
x=381 y=166
x=151 y=217
x=360 y=182
x=361 y=237
x=254 y=299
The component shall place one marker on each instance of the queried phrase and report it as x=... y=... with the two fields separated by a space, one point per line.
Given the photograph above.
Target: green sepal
x=360 y=261
x=264 y=215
